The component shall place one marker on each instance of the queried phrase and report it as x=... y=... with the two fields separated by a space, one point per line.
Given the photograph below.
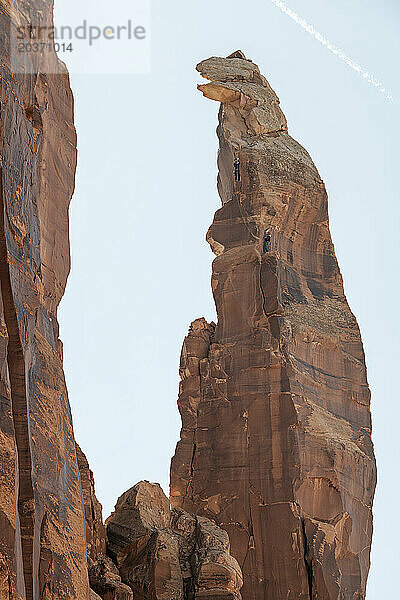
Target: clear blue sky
x=146 y=194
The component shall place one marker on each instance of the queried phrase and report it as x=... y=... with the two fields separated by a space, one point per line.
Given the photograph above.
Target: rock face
x=105 y=579
x=94 y=526
x=165 y=555
x=42 y=545
x=276 y=428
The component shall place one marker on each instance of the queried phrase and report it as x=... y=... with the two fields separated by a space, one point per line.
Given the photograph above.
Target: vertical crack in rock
x=307 y=562
x=192 y=459
x=287 y=353
x=262 y=292
x=17 y=380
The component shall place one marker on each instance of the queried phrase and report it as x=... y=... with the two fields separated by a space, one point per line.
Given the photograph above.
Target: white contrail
x=334 y=49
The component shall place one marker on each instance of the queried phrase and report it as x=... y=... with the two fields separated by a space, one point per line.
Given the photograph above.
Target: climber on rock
x=267 y=241
x=236 y=169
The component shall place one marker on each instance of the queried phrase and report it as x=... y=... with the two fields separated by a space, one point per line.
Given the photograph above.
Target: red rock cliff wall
x=276 y=428
x=42 y=545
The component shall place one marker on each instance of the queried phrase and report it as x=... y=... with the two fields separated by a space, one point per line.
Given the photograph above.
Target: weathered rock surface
x=94 y=526
x=42 y=545
x=105 y=580
x=276 y=428
x=165 y=555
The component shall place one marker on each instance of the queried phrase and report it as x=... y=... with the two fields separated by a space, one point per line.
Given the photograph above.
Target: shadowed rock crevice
x=307 y=562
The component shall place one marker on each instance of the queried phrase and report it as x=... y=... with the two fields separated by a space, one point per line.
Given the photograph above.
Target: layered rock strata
x=42 y=542
x=164 y=555
x=276 y=427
